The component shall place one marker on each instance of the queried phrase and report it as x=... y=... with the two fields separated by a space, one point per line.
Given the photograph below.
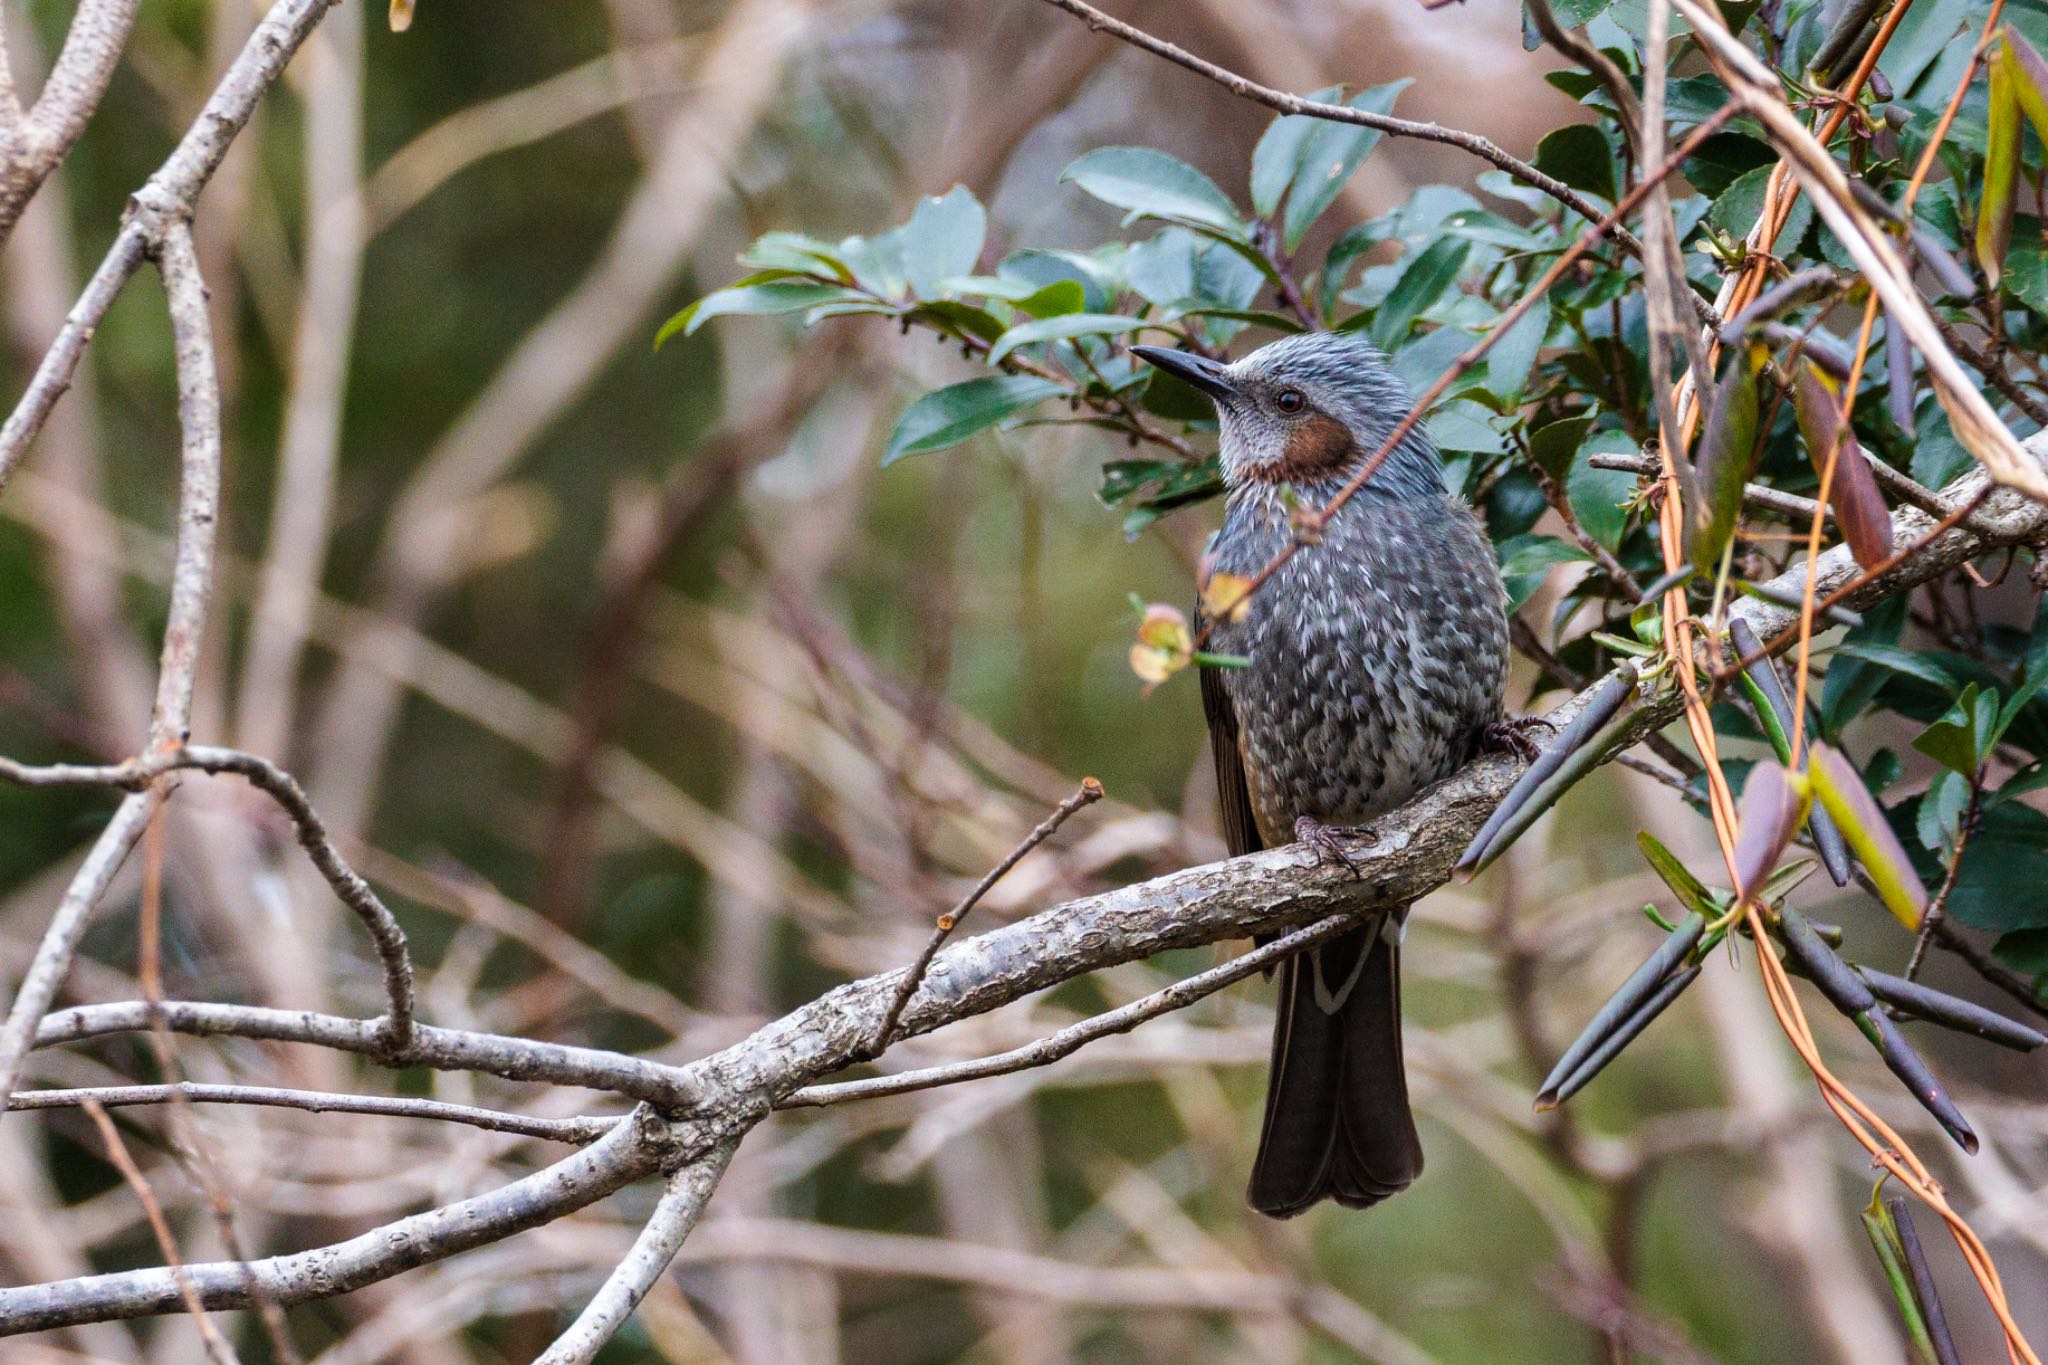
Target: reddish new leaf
x=1852 y=492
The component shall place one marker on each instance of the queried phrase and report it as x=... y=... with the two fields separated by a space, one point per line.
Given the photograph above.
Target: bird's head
x=1309 y=410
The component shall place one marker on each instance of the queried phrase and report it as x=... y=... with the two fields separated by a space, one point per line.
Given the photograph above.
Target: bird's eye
x=1290 y=401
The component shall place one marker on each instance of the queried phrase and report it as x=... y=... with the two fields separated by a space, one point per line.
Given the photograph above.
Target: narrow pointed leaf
x=2029 y=79
x=1853 y=493
x=2001 y=166
x=1774 y=710
x=1725 y=451
x=1884 y=1239
x=1924 y=1290
x=1508 y=818
x=1912 y=1070
x=769 y=297
x=1869 y=834
x=1952 y=1012
x=1623 y=1036
x=1691 y=893
x=1624 y=1004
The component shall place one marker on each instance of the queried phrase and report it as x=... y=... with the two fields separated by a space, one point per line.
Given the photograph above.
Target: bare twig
x=682 y=1204
x=1087 y=794
x=166 y=198
x=576 y=1130
x=1071 y=1039
x=167 y=1244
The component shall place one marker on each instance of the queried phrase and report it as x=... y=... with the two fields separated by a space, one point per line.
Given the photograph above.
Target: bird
x=1373 y=664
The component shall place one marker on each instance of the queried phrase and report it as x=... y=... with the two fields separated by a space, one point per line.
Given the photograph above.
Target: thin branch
x=167 y=197
x=515 y=1059
x=1087 y=794
x=1074 y=1037
x=1762 y=497
x=630 y=1151
x=160 y=1227
x=573 y=1130
x=1282 y=102
x=385 y=931
x=682 y=1204
x=36 y=143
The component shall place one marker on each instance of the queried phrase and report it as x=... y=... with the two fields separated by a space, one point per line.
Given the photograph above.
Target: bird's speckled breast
x=1377 y=655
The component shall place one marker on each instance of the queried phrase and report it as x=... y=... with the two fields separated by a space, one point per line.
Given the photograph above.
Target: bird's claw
x=1511 y=736
x=1327 y=841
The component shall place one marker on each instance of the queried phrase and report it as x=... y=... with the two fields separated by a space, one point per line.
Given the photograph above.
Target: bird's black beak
x=1210 y=376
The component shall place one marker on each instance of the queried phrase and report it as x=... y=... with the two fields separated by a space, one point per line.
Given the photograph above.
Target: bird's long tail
x=1337 y=1124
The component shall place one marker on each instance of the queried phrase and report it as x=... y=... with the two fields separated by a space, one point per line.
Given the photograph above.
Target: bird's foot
x=1511 y=736
x=1327 y=841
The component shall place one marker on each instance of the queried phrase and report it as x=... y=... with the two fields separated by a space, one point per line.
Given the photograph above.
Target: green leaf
x=2024 y=950
x=1727 y=448
x=1162 y=268
x=1054 y=300
x=795 y=252
x=1735 y=212
x=1277 y=158
x=2001 y=165
x=1512 y=356
x=1691 y=893
x=1422 y=283
x=1940 y=814
x=1062 y=327
x=773 y=297
x=943 y=240
x=1462 y=425
x=1962 y=738
x=1555 y=446
x=1329 y=157
x=960 y=317
x=1901 y=661
x=1598 y=496
x=951 y=415
x=1863 y=824
x=1526 y=560
x=1579 y=155
x=2003 y=882
x=1152 y=184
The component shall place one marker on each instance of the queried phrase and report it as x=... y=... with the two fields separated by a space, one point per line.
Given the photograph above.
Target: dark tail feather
x=1338 y=1124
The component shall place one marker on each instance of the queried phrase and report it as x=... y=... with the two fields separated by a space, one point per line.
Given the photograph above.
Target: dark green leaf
x=951 y=415
x=1329 y=156
x=1738 y=208
x=1062 y=327
x=1423 y=281
x=1513 y=355
x=1579 y=155
x=1727 y=448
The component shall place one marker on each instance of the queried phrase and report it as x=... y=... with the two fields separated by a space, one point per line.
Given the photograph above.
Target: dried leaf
x=1165 y=645
x=401 y=15
x=1225 y=596
x=1852 y=492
